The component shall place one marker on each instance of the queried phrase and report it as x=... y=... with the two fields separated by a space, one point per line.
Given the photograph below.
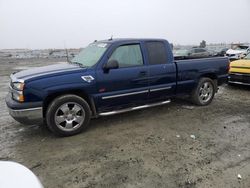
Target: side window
x=156 y=53
x=197 y=51
x=128 y=55
x=200 y=50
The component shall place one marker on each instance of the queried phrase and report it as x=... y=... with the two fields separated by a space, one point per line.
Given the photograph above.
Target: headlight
x=17 y=91
x=18 y=96
x=18 y=86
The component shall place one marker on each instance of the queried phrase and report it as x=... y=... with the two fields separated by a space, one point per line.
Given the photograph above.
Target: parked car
x=238 y=53
x=181 y=53
x=199 y=53
x=110 y=77
x=222 y=52
x=239 y=72
x=192 y=53
x=212 y=52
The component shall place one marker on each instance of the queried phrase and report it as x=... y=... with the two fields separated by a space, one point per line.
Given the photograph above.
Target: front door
x=125 y=86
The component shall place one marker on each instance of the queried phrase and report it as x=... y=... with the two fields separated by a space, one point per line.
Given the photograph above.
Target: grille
x=230 y=55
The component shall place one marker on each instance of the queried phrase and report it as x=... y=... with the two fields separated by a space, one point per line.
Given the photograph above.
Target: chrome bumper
x=240 y=83
x=239 y=78
x=28 y=116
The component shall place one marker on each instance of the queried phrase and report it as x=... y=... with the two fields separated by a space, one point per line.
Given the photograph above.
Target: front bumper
x=25 y=113
x=239 y=78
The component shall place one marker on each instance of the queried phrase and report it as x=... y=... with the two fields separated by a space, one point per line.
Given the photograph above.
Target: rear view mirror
x=111 y=64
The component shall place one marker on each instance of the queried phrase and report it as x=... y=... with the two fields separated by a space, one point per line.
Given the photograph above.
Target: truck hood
x=46 y=70
x=231 y=51
x=240 y=66
x=244 y=63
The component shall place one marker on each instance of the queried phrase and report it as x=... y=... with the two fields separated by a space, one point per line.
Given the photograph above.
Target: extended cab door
x=162 y=70
x=125 y=86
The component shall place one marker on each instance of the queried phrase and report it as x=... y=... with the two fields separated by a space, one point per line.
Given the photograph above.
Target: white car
x=238 y=53
x=13 y=175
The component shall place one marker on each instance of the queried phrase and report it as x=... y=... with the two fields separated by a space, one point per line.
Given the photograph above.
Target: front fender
x=38 y=90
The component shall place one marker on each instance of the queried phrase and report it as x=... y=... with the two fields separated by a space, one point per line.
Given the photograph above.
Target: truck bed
x=189 y=71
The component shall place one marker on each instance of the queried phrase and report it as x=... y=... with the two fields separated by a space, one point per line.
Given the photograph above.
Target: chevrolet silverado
x=110 y=77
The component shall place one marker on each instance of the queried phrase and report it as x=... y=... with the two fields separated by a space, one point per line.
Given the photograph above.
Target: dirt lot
x=146 y=148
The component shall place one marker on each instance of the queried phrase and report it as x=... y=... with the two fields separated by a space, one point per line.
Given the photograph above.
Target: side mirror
x=111 y=64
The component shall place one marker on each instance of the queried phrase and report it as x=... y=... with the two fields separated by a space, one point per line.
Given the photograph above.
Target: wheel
x=203 y=94
x=68 y=115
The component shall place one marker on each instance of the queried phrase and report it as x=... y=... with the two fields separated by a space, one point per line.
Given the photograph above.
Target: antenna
x=111 y=38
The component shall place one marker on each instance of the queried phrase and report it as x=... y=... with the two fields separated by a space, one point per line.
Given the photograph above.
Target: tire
x=68 y=115
x=204 y=92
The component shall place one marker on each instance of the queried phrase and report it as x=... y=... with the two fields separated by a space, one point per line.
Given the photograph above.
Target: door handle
x=143 y=73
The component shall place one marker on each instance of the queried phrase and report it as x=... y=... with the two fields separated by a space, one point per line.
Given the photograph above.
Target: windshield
x=241 y=48
x=247 y=56
x=90 y=55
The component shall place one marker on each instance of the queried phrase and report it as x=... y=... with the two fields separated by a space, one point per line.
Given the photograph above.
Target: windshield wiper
x=76 y=63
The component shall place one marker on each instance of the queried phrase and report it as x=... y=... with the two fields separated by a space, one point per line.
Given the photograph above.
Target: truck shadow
x=127 y=119
x=238 y=87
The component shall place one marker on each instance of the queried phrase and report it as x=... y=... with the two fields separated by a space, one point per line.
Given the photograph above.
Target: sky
x=38 y=24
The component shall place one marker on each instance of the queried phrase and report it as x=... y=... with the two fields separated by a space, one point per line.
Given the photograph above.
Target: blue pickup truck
x=110 y=77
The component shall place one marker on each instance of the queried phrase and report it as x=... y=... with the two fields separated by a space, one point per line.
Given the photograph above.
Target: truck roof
x=130 y=40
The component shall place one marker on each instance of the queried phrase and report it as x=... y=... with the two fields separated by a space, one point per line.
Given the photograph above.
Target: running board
x=134 y=108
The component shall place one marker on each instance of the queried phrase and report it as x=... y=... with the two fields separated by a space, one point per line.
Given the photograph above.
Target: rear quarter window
x=157 y=53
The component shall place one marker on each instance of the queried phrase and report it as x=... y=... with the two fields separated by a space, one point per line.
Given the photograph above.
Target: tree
x=203 y=44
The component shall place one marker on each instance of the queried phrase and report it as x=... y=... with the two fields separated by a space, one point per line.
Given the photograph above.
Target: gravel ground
x=146 y=148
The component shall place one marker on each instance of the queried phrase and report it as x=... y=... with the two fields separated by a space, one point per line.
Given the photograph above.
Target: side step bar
x=134 y=108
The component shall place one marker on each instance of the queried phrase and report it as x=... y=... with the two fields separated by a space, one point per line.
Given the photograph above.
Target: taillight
x=228 y=66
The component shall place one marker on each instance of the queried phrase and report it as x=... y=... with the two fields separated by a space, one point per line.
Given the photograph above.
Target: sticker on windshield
x=102 y=45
